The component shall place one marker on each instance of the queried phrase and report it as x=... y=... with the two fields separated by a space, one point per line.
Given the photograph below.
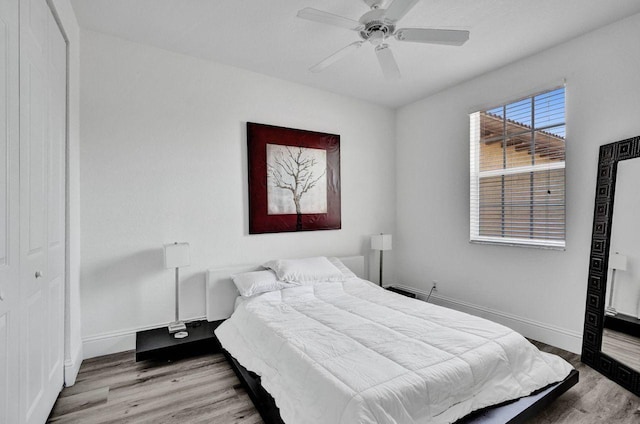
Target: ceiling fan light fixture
x=373 y=24
x=377 y=37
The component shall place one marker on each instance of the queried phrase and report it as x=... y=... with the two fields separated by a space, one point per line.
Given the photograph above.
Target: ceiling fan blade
x=450 y=37
x=345 y=51
x=398 y=9
x=316 y=15
x=387 y=62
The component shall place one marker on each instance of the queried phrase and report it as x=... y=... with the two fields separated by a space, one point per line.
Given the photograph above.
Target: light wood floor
x=116 y=389
x=594 y=400
x=204 y=389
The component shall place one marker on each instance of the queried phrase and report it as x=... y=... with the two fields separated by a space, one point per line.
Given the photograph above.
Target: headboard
x=221 y=293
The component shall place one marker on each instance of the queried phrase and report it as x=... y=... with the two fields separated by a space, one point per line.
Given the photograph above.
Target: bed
x=317 y=350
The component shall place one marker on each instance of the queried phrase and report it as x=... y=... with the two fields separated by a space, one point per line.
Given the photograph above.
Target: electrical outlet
x=435 y=285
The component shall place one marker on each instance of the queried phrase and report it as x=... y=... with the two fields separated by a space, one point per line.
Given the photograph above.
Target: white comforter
x=355 y=353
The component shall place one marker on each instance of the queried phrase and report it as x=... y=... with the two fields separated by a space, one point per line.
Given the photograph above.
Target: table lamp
x=616 y=262
x=176 y=256
x=381 y=242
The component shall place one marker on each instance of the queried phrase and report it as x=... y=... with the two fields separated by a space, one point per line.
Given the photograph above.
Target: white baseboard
x=543 y=332
x=116 y=341
x=120 y=341
x=105 y=344
x=72 y=367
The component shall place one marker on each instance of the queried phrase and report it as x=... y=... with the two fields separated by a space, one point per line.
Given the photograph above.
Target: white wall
x=72 y=332
x=163 y=159
x=539 y=292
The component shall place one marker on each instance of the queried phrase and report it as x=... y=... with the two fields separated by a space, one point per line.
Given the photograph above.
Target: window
x=518 y=172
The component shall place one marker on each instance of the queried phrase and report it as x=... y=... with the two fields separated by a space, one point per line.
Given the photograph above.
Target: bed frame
x=515 y=412
x=220 y=299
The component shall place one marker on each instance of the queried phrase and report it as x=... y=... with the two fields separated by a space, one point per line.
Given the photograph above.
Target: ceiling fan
x=378 y=25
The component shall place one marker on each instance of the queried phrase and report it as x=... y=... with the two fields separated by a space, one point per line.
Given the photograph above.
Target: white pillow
x=256 y=282
x=348 y=274
x=306 y=271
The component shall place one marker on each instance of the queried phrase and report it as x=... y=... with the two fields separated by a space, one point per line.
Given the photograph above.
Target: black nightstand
x=402 y=292
x=159 y=344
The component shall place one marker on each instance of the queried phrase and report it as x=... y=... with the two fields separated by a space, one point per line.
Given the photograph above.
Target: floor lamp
x=176 y=256
x=381 y=242
x=616 y=262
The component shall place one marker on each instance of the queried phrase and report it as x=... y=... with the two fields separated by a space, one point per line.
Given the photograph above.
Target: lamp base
x=180 y=334
x=177 y=326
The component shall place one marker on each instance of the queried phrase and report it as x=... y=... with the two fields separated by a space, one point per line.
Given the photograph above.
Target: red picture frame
x=275 y=155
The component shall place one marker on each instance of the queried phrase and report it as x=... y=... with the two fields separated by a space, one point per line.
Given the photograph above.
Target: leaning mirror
x=611 y=341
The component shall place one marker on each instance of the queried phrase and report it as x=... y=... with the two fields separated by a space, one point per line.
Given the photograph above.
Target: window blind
x=517 y=164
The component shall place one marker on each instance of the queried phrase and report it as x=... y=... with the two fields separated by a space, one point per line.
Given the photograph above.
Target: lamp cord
x=430 y=294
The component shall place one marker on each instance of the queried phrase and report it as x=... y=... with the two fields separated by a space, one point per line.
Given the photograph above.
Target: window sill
x=518 y=243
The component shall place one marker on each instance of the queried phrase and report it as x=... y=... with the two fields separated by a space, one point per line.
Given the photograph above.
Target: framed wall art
x=294 y=179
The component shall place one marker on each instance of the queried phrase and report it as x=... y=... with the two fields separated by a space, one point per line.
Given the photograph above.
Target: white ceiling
x=265 y=36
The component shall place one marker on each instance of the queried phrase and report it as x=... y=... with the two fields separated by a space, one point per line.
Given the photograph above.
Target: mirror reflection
x=621 y=336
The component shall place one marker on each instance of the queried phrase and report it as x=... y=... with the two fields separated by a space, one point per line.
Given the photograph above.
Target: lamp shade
x=176 y=255
x=381 y=242
x=618 y=261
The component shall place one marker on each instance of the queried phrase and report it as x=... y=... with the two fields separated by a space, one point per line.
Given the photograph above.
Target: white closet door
x=42 y=126
x=56 y=205
x=9 y=210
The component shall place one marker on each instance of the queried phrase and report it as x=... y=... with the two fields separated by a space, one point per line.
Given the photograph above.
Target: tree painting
x=297 y=181
x=293 y=179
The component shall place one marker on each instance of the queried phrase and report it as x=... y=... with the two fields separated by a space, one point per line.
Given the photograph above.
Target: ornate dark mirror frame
x=592 y=355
